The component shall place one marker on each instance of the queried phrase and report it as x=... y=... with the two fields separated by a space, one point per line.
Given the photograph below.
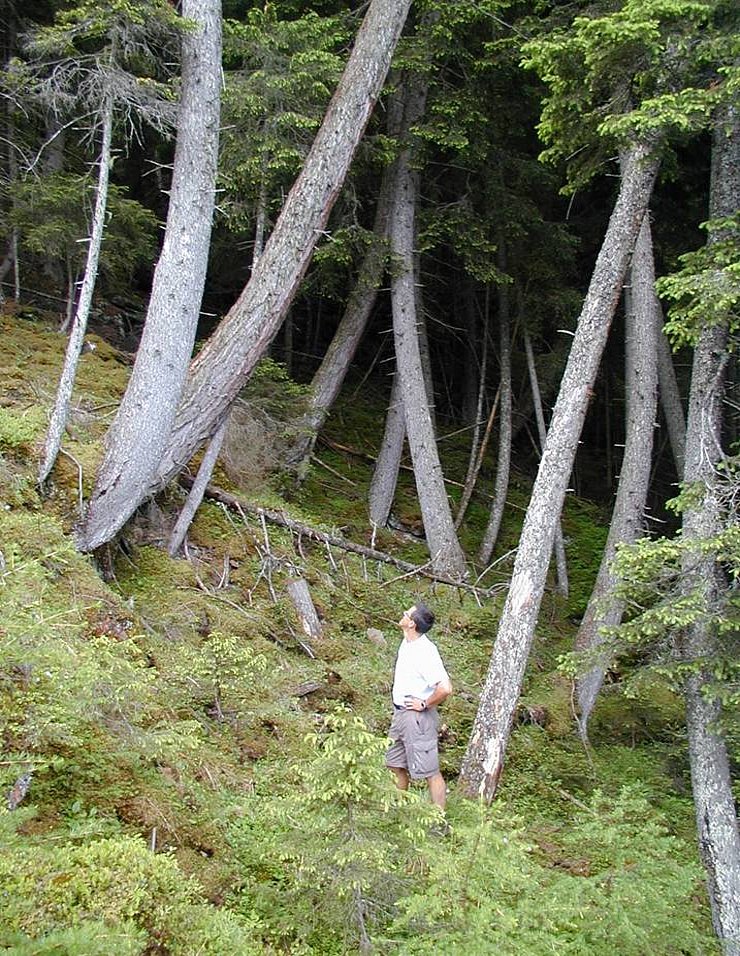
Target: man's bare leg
x=437 y=790
x=402 y=777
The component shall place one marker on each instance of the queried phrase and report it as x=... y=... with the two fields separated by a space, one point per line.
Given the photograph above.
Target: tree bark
x=711 y=781
x=627 y=524
x=329 y=377
x=476 y=445
x=226 y=361
x=195 y=496
x=484 y=757
x=503 y=465
x=300 y=597
x=561 y=566
x=60 y=412
x=385 y=475
x=446 y=553
x=670 y=400
x=138 y=435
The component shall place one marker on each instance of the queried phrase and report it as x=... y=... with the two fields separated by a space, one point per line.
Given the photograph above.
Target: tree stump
x=300 y=596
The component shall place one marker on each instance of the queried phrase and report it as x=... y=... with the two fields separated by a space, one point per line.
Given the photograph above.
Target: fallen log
x=242 y=507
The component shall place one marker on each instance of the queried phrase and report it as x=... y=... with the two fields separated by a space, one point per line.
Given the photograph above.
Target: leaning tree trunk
x=446 y=554
x=641 y=386
x=139 y=433
x=329 y=377
x=670 y=400
x=226 y=362
x=484 y=757
x=503 y=465
x=711 y=780
x=561 y=567
x=60 y=412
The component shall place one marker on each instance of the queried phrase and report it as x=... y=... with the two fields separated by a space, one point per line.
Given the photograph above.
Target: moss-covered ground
x=186 y=776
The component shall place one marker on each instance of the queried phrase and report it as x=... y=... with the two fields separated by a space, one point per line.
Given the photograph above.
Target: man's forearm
x=440 y=693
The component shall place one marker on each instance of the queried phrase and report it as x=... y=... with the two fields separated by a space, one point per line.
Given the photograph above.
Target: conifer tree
x=592 y=70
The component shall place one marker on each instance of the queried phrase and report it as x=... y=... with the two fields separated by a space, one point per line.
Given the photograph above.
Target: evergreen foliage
x=186 y=773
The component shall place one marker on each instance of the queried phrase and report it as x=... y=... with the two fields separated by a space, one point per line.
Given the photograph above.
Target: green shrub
x=117 y=882
x=612 y=881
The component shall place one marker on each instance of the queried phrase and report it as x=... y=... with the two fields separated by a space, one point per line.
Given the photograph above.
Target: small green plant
x=339 y=851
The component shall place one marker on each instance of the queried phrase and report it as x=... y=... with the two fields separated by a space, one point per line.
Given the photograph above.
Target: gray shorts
x=414 y=742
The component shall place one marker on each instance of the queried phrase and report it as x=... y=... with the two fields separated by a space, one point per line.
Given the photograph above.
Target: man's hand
x=413 y=703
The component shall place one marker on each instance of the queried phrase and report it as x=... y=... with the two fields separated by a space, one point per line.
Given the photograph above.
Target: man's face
x=407 y=622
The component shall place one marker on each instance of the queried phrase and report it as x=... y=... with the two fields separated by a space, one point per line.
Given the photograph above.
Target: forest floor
x=189 y=774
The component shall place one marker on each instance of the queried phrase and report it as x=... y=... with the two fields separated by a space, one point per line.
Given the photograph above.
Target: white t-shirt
x=419 y=669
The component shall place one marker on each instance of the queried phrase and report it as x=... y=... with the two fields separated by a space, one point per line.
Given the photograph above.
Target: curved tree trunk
x=226 y=361
x=484 y=757
x=641 y=386
x=60 y=412
x=561 y=566
x=711 y=780
x=138 y=435
x=503 y=466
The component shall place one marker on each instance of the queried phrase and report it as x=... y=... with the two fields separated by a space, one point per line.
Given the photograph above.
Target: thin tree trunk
x=561 y=565
x=503 y=465
x=385 y=474
x=484 y=757
x=473 y=461
x=422 y=329
x=226 y=361
x=470 y=483
x=329 y=377
x=471 y=406
x=60 y=412
x=138 y=435
x=670 y=400
x=711 y=780
x=627 y=524
x=195 y=495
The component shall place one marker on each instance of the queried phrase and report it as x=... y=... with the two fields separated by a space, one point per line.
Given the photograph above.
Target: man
x=420 y=684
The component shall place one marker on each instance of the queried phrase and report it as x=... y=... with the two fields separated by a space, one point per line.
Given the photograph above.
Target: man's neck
x=411 y=635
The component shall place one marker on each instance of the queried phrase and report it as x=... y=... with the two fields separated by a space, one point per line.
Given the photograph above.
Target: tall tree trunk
x=446 y=554
x=60 y=412
x=670 y=400
x=503 y=465
x=641 y=395
x=138 y=435
x=226 y=361
x=484 y=757
x=711 y=781
x=385 y=474
x=561 y=566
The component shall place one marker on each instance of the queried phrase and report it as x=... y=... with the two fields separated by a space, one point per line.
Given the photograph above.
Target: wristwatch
x=423 y=705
